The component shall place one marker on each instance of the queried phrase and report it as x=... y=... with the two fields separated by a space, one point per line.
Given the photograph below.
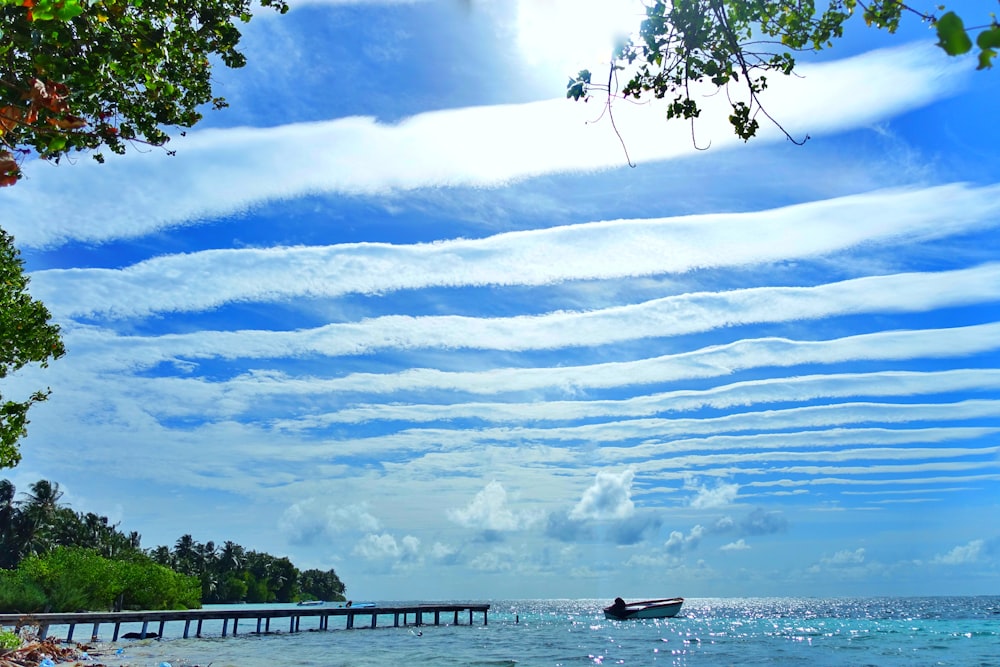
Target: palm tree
x=44 y=496
x=10 y=516
x=185 y=555
x=40 y=509
x=231 y=557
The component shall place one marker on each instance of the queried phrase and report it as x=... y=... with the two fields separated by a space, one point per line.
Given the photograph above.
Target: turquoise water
x=959 y=631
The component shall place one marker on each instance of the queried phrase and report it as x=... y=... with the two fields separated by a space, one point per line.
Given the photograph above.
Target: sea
x=813 y=632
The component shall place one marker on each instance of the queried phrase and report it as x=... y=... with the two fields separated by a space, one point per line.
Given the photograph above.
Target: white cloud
x=846 y=557
x=497 y=560
x=385 y=547
x=605 y=250
x=609 y=497
x=443 y=552
x=678 y=542
x=440 y=148
x=490 y=511
x=781 y=389
x=311 y=521
x=960 y=555
x=738 y=545
x=721 y=495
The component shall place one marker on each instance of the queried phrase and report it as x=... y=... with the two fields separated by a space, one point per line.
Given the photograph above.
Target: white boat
x=311 y=603
x=664 y=608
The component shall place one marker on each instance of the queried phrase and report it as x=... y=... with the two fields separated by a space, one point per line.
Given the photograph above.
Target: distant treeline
x=55 y=559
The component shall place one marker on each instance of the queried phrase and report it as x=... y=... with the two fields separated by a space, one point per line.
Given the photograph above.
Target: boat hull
x=667 y=608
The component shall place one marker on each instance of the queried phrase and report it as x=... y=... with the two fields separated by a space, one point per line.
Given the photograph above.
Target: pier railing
x=421 y=615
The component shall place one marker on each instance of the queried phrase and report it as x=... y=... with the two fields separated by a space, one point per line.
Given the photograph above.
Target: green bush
x=8 y=640
x=75 y=579
x=18 y=594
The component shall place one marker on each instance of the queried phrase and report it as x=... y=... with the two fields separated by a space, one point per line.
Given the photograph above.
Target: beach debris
x=45 y=653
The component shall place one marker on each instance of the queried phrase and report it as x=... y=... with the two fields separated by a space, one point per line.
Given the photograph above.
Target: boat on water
x=311 y=603
x=663 y=608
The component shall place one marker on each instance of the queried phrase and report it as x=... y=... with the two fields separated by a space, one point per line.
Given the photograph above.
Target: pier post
x=187 y=626
x=117 y=627
x=456 y=617
x=420 y=618
x=437 y=617
x=69 y=634
x=258 y=624
x=145 y=627
x=395 y=620
x=350 y=620
x=470 y=615
x=267 y=624
x=162 y=625
x=373 y=619
x=198 y=631
x=236 y=622
x=486 y=617
x=225 y=626
x=43 y=631
x=93 y=633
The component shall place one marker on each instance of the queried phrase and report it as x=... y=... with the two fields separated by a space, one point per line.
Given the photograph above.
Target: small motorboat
x=311 y=603
x=622 y=611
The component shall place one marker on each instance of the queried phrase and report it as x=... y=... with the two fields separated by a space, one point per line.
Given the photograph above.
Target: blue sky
x=404 y=311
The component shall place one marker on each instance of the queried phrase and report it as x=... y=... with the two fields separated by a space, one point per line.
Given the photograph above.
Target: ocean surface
x=960 y=631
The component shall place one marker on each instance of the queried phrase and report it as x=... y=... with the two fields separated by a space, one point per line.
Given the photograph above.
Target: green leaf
x=577 y=88
x=986 y=58
x=989 y=39
x=70 y=9
x=951 y=33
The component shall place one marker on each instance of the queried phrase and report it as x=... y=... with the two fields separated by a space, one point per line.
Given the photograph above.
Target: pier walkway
x=292 y=615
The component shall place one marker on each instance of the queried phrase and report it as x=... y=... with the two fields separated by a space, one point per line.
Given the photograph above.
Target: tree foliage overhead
x=734 y=45
x=26 y=336
x=79 y=75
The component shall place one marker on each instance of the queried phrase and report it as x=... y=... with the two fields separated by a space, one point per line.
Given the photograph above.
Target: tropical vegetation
x=26 y=336
x=81 y=75
x=53 y=558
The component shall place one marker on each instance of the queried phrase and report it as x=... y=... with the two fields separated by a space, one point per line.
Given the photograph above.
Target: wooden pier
x=293 y=616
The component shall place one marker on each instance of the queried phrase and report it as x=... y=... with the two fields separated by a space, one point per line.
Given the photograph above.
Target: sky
x=404 y=311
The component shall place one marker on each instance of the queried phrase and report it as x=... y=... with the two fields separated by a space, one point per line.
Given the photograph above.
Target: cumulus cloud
x=721 y=495
x=310 y=521
x=489 y=512
x=762 y=522
x=604 y=513
x=678 y=542
x=385 y=547
x=443 y=553
x=738 y=545
x=846 y=557
x=960 y=555
x=756 y=523
x=609 y=497
x=499 y=560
